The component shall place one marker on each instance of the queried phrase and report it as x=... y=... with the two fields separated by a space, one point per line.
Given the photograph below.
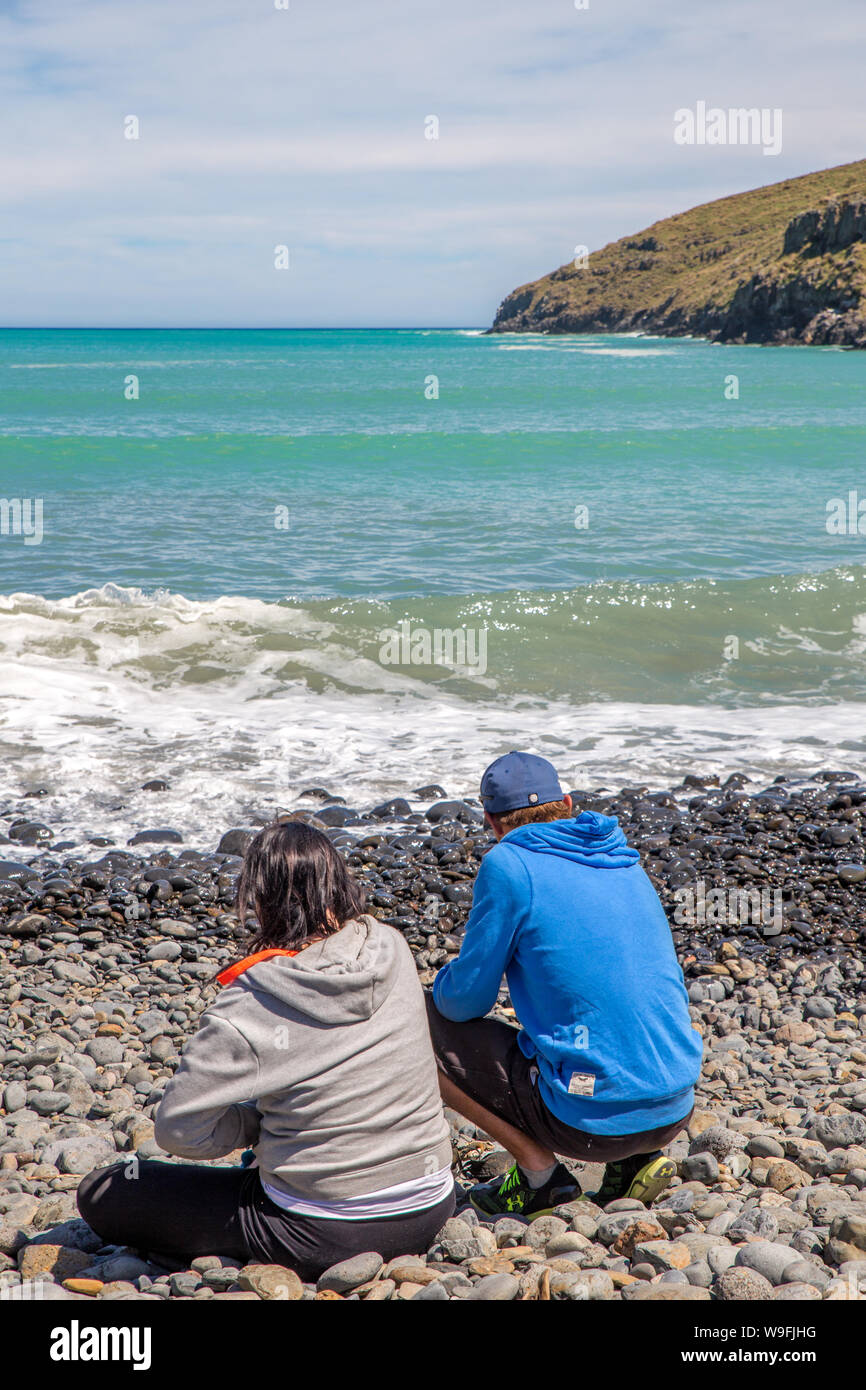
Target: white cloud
x=307 y=126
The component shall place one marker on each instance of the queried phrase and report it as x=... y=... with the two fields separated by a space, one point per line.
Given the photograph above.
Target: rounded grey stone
x=624 y=1204
x=698 y=1274
x=348 y=1274
x=764 y=1146
x=494 y=1288
x=104 y=1050
x=161 y=1048
x=51 y=1103
x=584 y=1225
x=768 y=1258
x=804 y=1272
x=14 y=1097
x=819 y=1007
x=164 y=950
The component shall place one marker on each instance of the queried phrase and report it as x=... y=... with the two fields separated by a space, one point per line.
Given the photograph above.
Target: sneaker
x=643 y=1177
x=512 y=1195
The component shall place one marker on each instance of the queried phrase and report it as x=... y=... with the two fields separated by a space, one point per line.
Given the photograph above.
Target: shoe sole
x=533 y=1216
x=651 y=1181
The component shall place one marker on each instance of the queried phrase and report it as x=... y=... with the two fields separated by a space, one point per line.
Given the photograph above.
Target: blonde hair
x=532 y=815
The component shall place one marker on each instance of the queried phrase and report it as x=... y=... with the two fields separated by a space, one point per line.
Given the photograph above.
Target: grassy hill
x=781 y=264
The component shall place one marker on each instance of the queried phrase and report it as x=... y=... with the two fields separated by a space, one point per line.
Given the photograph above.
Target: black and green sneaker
x=643 y=1177
x=512 y=1195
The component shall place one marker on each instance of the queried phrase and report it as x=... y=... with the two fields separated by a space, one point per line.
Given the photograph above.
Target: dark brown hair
x=295 y=884
x=532 y=815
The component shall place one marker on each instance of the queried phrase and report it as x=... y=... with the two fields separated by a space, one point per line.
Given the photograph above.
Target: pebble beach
x=108 y=955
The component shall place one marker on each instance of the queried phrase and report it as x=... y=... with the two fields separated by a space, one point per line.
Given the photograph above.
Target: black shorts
x=483 y=1058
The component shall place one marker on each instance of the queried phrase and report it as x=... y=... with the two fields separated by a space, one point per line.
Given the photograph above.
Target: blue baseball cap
x=516 y=780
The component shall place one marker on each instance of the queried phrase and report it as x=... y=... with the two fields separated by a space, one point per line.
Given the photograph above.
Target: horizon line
x=235 y=328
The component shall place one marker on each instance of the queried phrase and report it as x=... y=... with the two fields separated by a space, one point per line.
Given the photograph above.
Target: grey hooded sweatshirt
x=323 y=1063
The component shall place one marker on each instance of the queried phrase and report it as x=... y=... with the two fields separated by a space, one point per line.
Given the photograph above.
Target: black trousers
x=181 y=1210
x=485 y=1061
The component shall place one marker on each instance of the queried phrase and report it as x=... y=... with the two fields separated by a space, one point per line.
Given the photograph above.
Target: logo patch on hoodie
x=582 y=1083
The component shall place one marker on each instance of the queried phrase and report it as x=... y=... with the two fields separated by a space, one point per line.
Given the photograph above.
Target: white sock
x=538 y=1177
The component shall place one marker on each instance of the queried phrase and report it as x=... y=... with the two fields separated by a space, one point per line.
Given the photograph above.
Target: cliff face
x=781 y=264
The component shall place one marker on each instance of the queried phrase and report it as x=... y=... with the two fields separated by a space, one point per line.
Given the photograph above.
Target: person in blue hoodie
x=604 y=1066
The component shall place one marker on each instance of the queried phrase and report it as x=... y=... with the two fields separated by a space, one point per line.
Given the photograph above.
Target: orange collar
x=231 y=973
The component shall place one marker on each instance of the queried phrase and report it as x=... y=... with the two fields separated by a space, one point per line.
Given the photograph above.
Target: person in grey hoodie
x=316 y=1054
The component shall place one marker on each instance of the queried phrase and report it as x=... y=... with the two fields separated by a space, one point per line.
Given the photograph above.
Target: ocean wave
x=239 y=703
x=793 y=638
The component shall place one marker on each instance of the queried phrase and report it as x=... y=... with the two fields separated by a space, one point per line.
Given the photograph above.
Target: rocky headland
x=782 y=264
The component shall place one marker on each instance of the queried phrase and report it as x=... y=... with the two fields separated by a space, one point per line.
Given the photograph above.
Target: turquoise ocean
x=630 y=532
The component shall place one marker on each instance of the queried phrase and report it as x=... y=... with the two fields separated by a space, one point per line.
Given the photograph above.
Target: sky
x=304 y=127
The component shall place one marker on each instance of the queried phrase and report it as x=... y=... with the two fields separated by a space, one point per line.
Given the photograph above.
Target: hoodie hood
x=589 y=838
x=343 y=979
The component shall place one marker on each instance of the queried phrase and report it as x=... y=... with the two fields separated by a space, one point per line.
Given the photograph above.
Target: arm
x=468 y=986
x=208 y=1108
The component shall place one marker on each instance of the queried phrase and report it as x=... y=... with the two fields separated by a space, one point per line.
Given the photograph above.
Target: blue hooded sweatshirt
x=564 y=910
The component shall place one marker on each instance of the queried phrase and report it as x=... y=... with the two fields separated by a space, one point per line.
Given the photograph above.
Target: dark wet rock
x=235 y=842
x=391 y=810
x=30 y=833
x=155 y=785
x=159 y=836
x=14 y=872
x=454 y=810
x=337 y=816
x=24 y=924
x=341 y=838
